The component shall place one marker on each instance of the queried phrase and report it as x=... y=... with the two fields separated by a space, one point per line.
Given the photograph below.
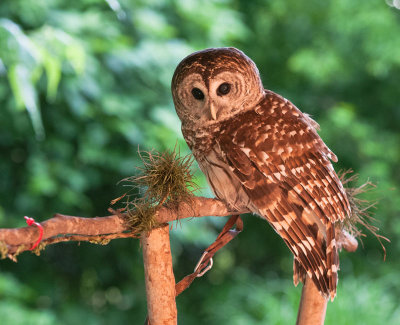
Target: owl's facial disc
x=199 y=95
x=213 y=99
x=228 y=92
x=222 y=90
x=214 y=85
x=193 y=98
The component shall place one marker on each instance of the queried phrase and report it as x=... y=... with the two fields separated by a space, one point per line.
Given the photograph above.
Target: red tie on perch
x=30 y=222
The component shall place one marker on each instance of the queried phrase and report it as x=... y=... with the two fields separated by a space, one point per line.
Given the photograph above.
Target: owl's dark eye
x=223 y=89
x=197 y=94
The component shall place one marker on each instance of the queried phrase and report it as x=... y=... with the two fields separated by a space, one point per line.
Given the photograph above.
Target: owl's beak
x=213 y=111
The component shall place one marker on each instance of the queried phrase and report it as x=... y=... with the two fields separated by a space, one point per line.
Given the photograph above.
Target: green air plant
x=164 y=178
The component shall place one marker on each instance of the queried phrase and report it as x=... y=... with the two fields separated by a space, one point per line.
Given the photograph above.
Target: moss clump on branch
x=360 y=208
x=164 y=178
x=101 y=241
x=41 y=247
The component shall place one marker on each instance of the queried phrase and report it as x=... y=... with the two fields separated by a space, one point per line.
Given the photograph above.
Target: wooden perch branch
x=62 y=228
x=159 y=277
x=312 y=307
x=100 y=229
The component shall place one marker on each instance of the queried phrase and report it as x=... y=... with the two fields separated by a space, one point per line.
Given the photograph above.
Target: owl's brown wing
x=285 y=169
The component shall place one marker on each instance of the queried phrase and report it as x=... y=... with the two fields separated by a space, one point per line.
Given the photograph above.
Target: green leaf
x=26 y=96
x=53 y=72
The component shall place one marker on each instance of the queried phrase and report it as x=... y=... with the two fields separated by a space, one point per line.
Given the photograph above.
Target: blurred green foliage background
x=83 y=83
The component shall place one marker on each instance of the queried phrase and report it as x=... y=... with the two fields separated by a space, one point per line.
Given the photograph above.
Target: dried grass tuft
x=164 y=178
x=361 y=209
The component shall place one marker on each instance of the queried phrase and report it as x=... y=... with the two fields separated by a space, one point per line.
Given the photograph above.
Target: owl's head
x=214 y=85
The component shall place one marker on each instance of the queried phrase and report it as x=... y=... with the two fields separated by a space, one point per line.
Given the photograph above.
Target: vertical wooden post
x=159 y=277
x=312 y=307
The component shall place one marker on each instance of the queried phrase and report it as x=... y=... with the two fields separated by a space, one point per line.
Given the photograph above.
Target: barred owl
x=260 y=152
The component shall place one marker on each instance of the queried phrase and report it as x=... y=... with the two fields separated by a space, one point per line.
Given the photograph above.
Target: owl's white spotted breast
x=220 y=176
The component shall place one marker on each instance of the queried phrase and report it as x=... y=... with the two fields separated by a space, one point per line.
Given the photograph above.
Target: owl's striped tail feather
x=332 y=266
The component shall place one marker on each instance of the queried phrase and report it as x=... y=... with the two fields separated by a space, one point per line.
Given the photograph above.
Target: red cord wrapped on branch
x=30 y=222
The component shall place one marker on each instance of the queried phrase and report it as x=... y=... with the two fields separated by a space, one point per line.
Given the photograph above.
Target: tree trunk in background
x=159 y=277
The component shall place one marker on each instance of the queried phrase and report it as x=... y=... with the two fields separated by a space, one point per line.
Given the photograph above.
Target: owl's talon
x=206 y=269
